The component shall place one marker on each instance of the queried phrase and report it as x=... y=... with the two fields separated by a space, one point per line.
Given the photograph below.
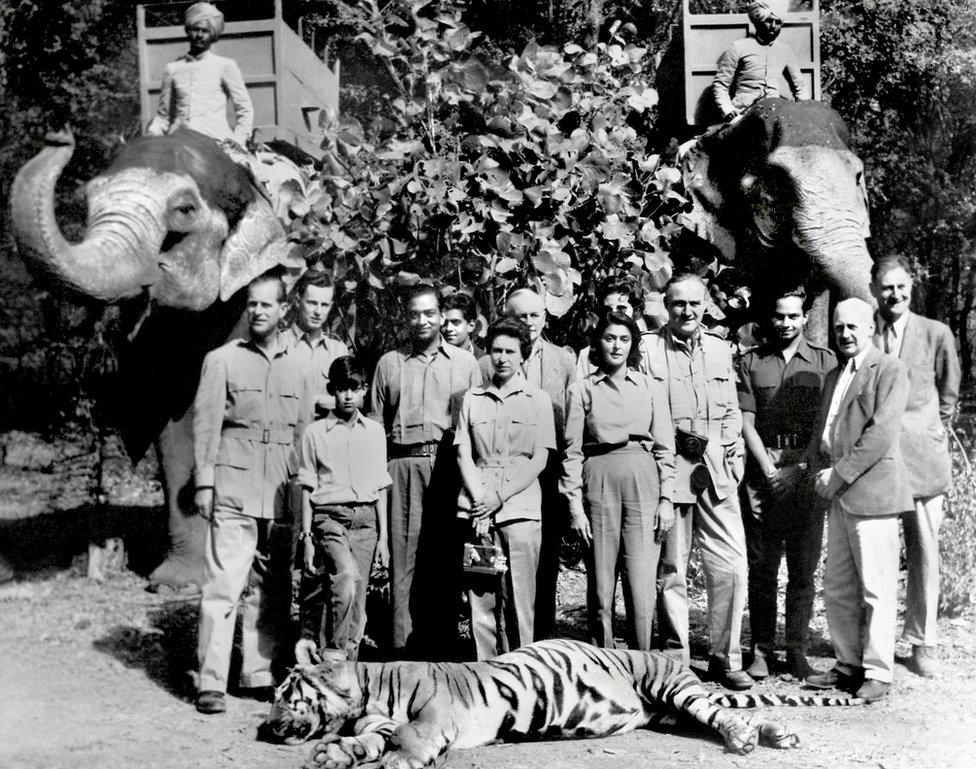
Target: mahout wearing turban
x=207 y=13
x=760 y=10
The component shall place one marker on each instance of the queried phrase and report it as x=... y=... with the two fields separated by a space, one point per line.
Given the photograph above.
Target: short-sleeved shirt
x=343 y=462
x=317 y=357
x=604 y=410
x=416 y=396
x=504 y=428
x=784 y=396
x=249 y=412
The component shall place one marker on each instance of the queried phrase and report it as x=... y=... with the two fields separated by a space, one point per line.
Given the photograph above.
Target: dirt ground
x=95 y=675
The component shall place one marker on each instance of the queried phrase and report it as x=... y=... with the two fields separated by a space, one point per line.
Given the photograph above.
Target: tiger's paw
x=774 y=735
x=342 y=753
x=399 y=759
x=740 y=737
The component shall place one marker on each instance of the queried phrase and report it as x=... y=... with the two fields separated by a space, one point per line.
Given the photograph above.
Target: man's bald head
x=530 y=308
x=853 y=326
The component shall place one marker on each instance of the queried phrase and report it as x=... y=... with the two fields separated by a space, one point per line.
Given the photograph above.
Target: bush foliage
x=485 y=175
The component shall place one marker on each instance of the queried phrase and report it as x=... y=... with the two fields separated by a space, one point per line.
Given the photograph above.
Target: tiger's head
x=315 y=699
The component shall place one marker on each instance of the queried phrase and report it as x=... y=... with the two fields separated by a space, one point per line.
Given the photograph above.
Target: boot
x=924 y=662
x=759 y=669
x=799 y=666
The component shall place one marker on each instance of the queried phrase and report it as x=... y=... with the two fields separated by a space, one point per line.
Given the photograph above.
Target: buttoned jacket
x=928 y=351
x=701 y=385
x=864 y=438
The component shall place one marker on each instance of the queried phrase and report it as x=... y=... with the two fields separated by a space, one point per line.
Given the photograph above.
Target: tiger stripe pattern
x=405 y=715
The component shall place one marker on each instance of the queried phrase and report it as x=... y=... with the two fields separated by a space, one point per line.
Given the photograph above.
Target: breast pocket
x=523 y=431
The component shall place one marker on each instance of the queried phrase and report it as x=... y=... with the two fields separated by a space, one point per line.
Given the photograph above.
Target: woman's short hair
x=616 y=319
x=513 y=328
x=346 y=372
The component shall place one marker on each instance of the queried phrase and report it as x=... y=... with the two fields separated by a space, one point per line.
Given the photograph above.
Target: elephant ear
x=705 y=217
x=255 y=245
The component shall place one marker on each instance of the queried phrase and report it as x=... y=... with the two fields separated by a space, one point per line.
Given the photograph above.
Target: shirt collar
x=898 y=326
x=296 y=335
x=331 y=420
x=602 y=376
x=281 y=346
x=445 y=349
x=858 y=360
x=691 y=344
x=514 y=385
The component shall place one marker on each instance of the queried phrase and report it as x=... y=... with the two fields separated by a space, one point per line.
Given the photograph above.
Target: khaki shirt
x=247 y=416
x=603 y=410
x=701 y=387
x=342 y=462
x=416 y=397
x=504 y=428
x=317 y=357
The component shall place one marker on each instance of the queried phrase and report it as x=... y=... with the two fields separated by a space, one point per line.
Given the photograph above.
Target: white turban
x=207 y=13
x=760 y=10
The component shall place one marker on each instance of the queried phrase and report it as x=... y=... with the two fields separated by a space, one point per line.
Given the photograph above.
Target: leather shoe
x=872 y=690
x=737 y=680
x=798 y=665
x=832 y=679
x=758 y=669
x=210 y=701
x=923 y=661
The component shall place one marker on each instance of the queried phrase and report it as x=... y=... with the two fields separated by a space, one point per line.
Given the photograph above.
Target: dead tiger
x=405 y=715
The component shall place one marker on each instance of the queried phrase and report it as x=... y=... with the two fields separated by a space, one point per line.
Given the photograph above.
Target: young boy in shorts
x=344 y=521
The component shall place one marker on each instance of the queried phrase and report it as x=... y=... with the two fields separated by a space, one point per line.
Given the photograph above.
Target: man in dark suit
x=855 y=456
x=553 y=369
x=928 y=350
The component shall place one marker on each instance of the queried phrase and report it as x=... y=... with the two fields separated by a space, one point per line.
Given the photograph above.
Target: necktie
x=889 y=338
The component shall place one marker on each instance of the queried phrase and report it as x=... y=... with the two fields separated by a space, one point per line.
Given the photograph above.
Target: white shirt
x=843 y=384
x=893 y=334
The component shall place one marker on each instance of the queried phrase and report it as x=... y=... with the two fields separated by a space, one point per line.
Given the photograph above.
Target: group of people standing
x=642 y=447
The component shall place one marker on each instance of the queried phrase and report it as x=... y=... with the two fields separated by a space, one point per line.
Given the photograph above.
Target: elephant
x=781 y=192
x=175 y=226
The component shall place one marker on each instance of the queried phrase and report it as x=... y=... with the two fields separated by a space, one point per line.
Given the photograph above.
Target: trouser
x=411 y=479
x=621 y=496
x=860 y=587
x=251 y=553
x=333 y=602
x=792 y=525
x=502 y=615
x=554 y=525
x=716 y=526
x=922 y=588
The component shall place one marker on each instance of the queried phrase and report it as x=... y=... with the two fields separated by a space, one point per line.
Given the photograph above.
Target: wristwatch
x=305 y=535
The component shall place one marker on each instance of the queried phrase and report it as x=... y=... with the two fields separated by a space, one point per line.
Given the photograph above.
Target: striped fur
x=407 y=714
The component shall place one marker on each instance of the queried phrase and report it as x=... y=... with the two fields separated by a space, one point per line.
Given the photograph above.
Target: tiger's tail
x=725 y=700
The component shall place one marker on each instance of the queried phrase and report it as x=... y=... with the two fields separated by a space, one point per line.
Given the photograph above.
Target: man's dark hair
x=619 y=285
x=799 y=292
x=270 y=277
x=421 y=289
x=510 y=327
x=346 y=372
x=315 y=278
x=892 y=262
x=616 y=319
x=462 y=302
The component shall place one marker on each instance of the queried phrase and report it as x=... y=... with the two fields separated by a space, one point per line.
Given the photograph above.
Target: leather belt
x=401 y=450
x=787 y=441
x=599 y=449
x=260 y=435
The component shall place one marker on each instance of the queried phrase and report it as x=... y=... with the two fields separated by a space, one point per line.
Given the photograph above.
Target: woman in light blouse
x=504 y=434
x=618 y=477
x=197 y=85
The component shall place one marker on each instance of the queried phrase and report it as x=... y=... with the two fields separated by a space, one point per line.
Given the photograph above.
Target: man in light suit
x=928 y=350
x=553 y=369
x=855 y=455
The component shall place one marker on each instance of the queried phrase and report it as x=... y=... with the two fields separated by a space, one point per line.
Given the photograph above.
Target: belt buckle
x=266 y=436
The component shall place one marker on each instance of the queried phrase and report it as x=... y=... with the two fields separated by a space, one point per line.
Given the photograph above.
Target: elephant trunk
x=114 y=260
